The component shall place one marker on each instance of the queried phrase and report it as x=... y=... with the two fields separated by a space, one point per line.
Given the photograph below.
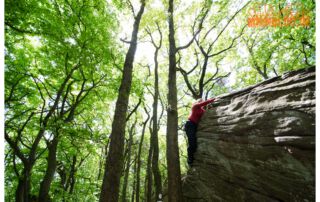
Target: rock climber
x=190 y=127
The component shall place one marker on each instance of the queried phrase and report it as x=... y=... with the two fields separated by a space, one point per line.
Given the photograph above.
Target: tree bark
x=154 y=133
x=114 y=160
x=174 y=175
x=104 y=152
x=126 y=175
x=148 y=181
x=63 y=175
x=139 y=159
x=134 y=180
x=155 y=142
x=51 y=168
x=73 y=170
x=23 y=188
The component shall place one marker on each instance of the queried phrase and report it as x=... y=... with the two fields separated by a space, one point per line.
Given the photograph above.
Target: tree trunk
x=51 y=168
x=203 y=74
x=73 y=170
x=154 y=136
x=139 y=160
x=126 y=175
x=134 y=181
x=148 y=181
x=174 y=175
x=101 y=161
x=104 y=152
x=114 y=160
x=22 y=191
x=63 y=175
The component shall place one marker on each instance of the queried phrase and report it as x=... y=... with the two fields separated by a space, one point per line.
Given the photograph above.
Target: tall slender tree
x=133 y=192
x=154 y=134
x=148 y=179
x=128 y=163
x=138 y=160
x=114 y=160
x=174 y=175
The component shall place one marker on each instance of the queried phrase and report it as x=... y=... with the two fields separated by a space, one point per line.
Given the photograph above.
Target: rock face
x=258 y=144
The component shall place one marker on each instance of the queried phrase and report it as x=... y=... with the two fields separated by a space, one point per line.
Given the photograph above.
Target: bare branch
x=195 y=33
x=161 y=114
x=230 y=46
x=65 y=97
x=82 y=160
x=15 y=148
x=125 y=41
x=147 y=110
x=215 y=74
x=15 y=84
x=40 y=154
x=274 y=71
x=20 y=130
x=132 y=8
x=149 y=91
x=134 y=109
x=213 y=83
x=14 y=165
x=196 y=65
x=26 y=31
x=229 y=21
x=186 y=79
x=114 y=61
x=152 y=39
x=160 y=33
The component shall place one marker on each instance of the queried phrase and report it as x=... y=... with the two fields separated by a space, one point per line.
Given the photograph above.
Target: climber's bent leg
x=191 y=129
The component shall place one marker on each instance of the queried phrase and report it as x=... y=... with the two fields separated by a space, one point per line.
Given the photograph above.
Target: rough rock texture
x=258 y=144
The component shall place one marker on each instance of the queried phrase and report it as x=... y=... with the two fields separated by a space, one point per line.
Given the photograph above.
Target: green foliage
x=278 y=49
x=46 y=40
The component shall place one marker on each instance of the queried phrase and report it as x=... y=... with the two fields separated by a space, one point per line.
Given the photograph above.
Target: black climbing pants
x=191 y=130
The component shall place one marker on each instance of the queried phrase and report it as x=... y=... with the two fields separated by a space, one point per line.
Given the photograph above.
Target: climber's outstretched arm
x=204 y=103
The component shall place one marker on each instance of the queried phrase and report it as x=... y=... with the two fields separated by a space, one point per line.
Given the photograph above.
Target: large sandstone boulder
x=258 y=144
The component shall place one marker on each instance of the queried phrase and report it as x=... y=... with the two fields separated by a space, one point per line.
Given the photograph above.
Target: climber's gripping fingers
x=215 y=103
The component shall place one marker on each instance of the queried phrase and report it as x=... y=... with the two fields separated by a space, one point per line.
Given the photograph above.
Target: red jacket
x=197 y=110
